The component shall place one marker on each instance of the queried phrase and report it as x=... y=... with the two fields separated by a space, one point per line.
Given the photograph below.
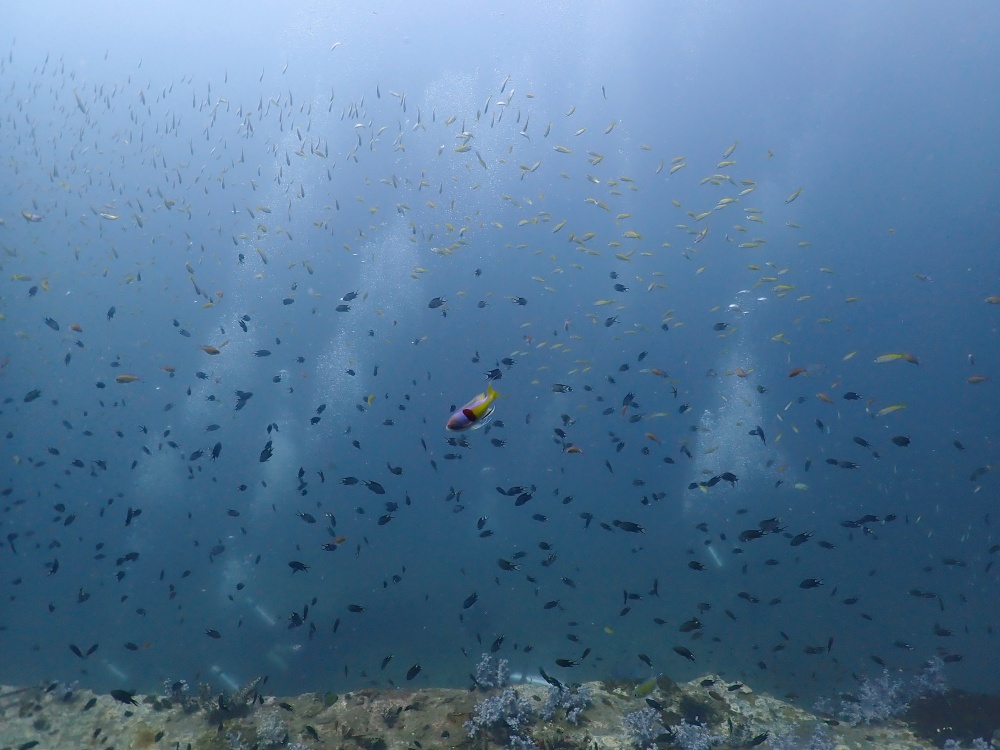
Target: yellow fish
x=475 y=413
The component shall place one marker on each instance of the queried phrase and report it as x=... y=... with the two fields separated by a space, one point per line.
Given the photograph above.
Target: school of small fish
x=240 y=331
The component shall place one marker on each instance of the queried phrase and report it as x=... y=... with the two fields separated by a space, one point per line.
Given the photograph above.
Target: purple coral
x=489 y=675
x=977 y=744
x=572 y=700
x=881 y=698
x=931 y=681
x=642 y=727
x=876 y=700
x=509 y=711
x=790 y=739
x=695 y=736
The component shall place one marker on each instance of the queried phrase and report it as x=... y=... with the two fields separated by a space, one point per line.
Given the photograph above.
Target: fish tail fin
x=490 y=390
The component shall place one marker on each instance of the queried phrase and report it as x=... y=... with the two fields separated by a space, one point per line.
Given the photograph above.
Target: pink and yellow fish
x=475 y=413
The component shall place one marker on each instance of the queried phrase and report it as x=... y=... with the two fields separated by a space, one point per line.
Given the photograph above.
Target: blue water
x=330 y=143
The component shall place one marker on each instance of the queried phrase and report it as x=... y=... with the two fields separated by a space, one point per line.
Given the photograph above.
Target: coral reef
x=695 y=736
x=793 y=738
x=508 y=713
x=571 y=700
x=877 y=699
x=705 y=714
x=490 y=674
x=643 y=728
x=271 y=730
x=977 y=744
x=881 y=698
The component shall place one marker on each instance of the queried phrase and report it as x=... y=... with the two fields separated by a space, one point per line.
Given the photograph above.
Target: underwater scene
x=527 y=375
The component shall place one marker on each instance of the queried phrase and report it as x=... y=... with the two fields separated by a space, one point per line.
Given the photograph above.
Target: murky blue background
x=270 y=162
